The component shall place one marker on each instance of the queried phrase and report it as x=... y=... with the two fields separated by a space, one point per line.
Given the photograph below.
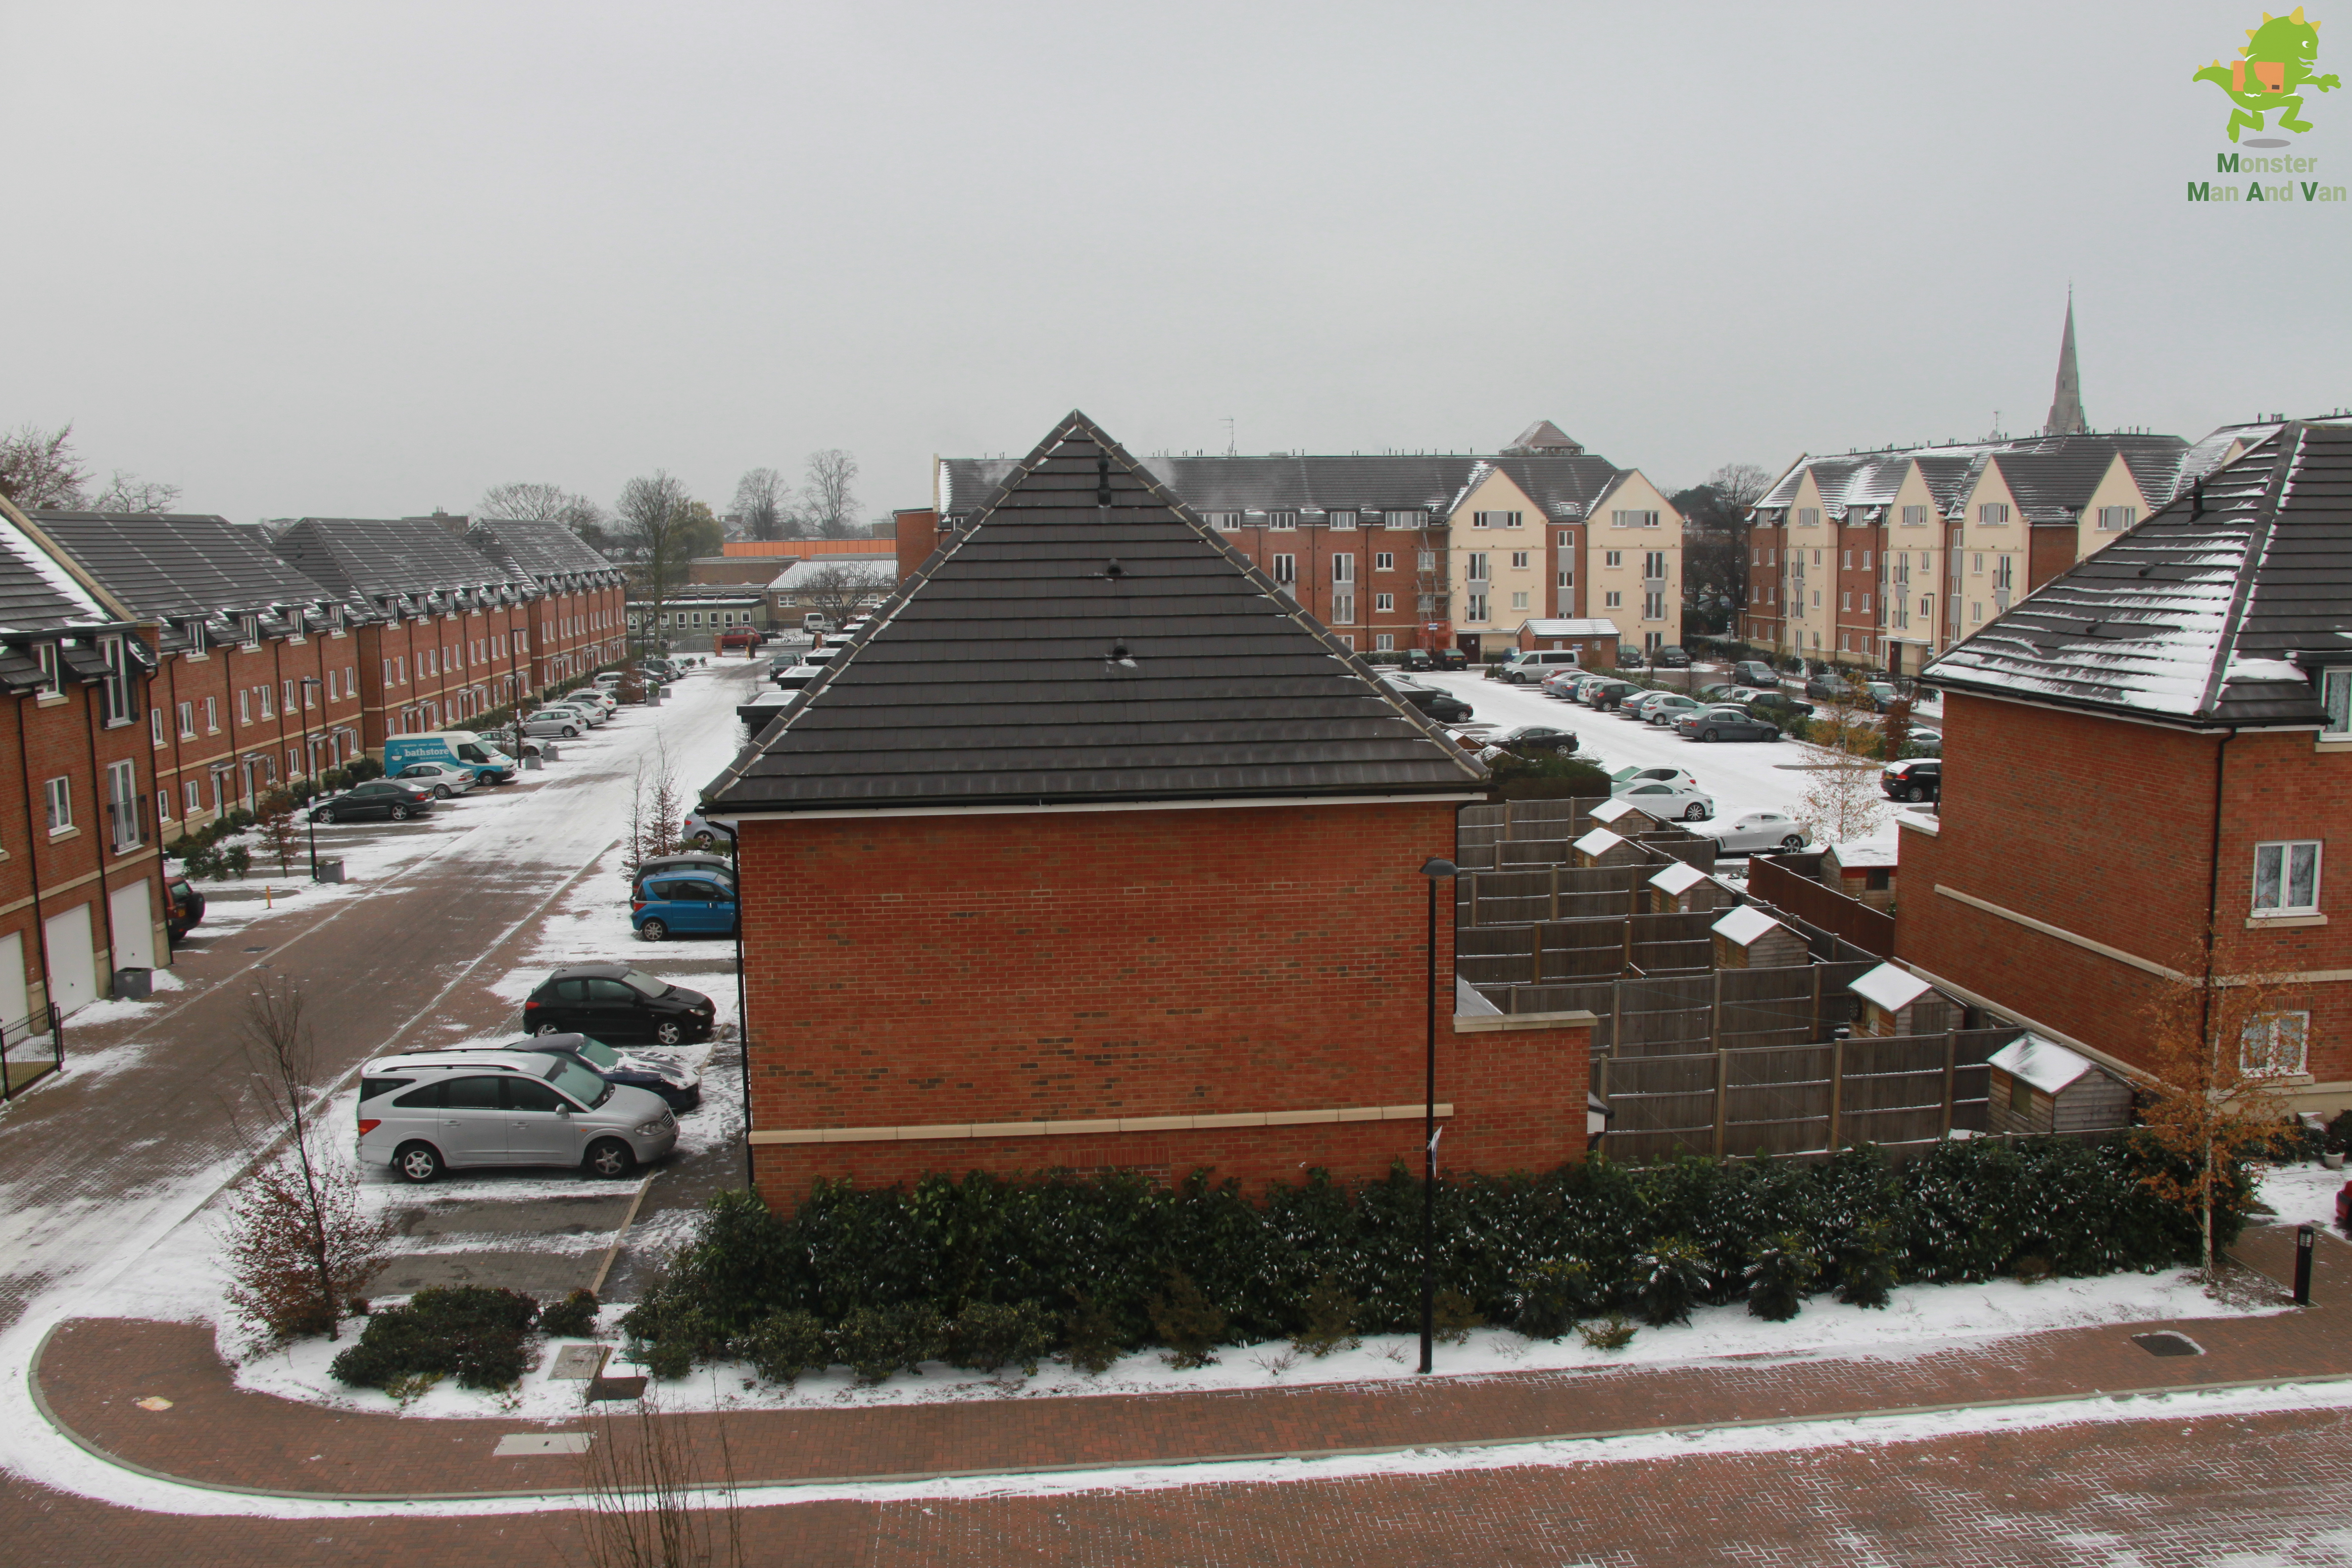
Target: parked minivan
x=461 y=749
x=1522 y=665
x=433 y=1111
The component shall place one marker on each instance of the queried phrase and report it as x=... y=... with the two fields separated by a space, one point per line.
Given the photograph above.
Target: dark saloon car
x=397 y=799
x=186 y=907
x=1452 y=658
x=1528 y=738
x=1436 y=702
x=1671 y=657
x=1921 y=778
x=1415 y=659
x=1755 y=672
x=1726 y=724
x=679 y=1088
x=614 y=1001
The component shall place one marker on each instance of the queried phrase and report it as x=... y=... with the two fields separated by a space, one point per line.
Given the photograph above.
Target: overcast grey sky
x=370 y=258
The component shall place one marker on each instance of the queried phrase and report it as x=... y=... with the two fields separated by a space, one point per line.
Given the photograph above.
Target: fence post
x=1837 y=1091
x=1951 y=1056
x=1714 y=1017
x=1474 y=900
x=1554 y=892
x=1535 y=953
x=1722 y=1093
x=1617 y=1019
x=1816 y=1021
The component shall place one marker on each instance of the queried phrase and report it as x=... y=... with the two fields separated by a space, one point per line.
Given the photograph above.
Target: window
x=1654 y=606
x=1976 y=609
x=1401 y=520
x=1518 y=601
x=212 y=715
x=1348 y=641
x=2286 y=878
x=1979 y=567
x=1991 y=513
x=1612 y=558
x=1428 y=559
x=1519 y=559
x=1845 y=600
x=1494 y=519
x=1383 y=602
x=1866 y=604
x=1384 y=642
x=1817 y=598
x=2274 y=1044
x=1425 y=605
x=192 y=796
x=155 y=724
x=1633 y=520
x=244 y=706
x=196 y=639
x=2335 y=698
x=117 y=688
x=1612 y=600
x=123 y=805
x=1653 y=566
x=1809 y=517
x=188 y=721
x=60 y=795
x=1478 y=571
x=1284 y=521
x=1848 y=562
x=1566 y=578
x=1343 y=607
x=1566 y=538
x=1478 y=607
x=1866 y=560
x=1342 y=520
x=1915 y=517
x=2003 y=570
x=263 y=692
x=1384 y=562
x=1286 y=570
x=291 y=704
x=248 y=629
x=1343 y=568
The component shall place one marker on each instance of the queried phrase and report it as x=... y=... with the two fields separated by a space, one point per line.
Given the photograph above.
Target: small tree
x=298 y=1246
x=838 y=591
x=280 y=830
x=2219 y=1050
x=657 y=813
x=1895 y=730
x=1842 y=803
x=643 y=1476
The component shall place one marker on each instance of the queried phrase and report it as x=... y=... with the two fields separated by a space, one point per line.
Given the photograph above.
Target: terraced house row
x=165 y=668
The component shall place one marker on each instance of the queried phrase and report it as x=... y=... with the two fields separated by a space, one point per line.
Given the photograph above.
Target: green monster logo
x=2278 y=57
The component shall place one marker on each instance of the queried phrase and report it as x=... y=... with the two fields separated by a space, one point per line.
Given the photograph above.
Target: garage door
x=14 y=1005
x=73 y=971
x=134 y=926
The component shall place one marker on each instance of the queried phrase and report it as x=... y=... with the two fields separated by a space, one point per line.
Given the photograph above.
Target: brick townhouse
x=257 y=682
x=578 y=624
x=1095 y=851
x=80 y=871
x=448 y=633
x=1407 y=550
x=2145 y=766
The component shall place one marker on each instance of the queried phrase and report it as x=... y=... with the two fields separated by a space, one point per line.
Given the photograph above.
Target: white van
x=1523 y=665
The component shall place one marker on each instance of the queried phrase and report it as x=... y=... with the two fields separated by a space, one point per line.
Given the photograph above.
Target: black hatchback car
x=679 y=1089
x=1437 y=702
x=186 y=908
x=1920 y=778
x=614 y=1001
x=395 y=798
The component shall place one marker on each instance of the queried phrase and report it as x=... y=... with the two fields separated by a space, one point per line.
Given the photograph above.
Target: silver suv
x=437 y=1111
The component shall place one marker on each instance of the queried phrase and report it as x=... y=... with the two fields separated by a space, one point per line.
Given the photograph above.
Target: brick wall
x=1077 y=966
x=2105 y=829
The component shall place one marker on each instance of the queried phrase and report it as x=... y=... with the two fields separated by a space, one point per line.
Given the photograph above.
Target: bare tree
x=298 y=1246
x=40 y=470
x=839 y=591
x=649 y=1503
x=1739 y=486
x=546 y=503
x=126 y=492
x=654 y=516
x=657 y=813
x=764 y=503
x=1843 y=801
x=828 y=503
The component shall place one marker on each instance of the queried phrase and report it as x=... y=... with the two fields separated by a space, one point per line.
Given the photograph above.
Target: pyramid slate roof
x=391 y=558
x=181 y=566
x=2210 y=618
x=1088 y=640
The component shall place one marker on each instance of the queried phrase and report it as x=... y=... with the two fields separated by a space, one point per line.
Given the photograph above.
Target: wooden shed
x=1603 y=848
x=2040 y=1086
x=1864 y=869
x=1896 y=1002
x=1748 y=938
x=1622 y=817
x=1684 y=889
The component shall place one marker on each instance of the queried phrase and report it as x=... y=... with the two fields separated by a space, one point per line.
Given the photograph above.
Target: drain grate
x=2167 y=1343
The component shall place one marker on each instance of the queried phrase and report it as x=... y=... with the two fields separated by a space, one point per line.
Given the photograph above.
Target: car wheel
x=569 y=733
x=1792 y=842
x=653 y=931
x=701 y=841
x=418 y=1162
x=328 y=817
x=549 y=1029
x=669 y=1033
x=440 y=792
x=1911 y=792
x=610 y=1158
x=1694 y=813
x=1771 y=734
x=1707 y=735
x=400 y=813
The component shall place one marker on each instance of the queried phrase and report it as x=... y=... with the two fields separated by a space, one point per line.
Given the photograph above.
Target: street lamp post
x=1435 y=871
x=311 y=764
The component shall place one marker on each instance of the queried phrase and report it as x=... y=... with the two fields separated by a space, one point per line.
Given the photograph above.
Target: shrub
x=268 y=1246
x=1331 y=1320
x=783 y=1346
x=472 y=1333
x=1611 y=1333
x=1780 y=1271
x=1673 y=1281
x=1187 y=1322
x=985 y=1336
x=231 y=864
x=366 y=768
x=1453 y=1316
x=1864 y=1262
x=875 y=1342
x=1091 y=1339
x=1546 y=1301
x=574 y=1318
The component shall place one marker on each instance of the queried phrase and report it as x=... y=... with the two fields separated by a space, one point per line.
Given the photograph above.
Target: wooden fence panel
x=1873 y=931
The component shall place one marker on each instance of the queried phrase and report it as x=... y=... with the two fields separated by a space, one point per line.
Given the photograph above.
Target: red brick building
x=2146 y=765
x=81 y=887
x=1093 y=852
x=578 y=623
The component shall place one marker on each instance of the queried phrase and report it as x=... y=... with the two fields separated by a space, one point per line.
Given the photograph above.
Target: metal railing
x=21 y=1033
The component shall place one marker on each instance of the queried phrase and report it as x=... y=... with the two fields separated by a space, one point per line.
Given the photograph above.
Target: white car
x=1624 y=779
x=1770 y=831
x=442 y=780
x=591 y=713
x=563 y=722
x=1666 y=801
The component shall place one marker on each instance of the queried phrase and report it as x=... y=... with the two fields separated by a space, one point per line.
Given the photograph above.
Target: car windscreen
x=596 y=1053
x=577 y=1081
x=645 y=985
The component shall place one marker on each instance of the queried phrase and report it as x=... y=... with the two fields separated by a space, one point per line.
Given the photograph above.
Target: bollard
x=2305 y=1238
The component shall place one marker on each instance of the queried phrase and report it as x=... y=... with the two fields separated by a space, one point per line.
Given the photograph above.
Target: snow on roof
x=871 y=570
x=1891 y=987
x=1616 y=809
x=1599 y=841
x=1677 y=877
x=1859 y=853
x=2046 y=1065
x=1744 y=925
x=1579 y=628
x=1468 y=1003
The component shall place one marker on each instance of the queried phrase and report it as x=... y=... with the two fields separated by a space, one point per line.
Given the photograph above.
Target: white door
x=73 y=969
x=134 y=925
x=13 y=1002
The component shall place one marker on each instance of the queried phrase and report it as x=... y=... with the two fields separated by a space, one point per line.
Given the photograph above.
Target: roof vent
x=1102 y=480
x=1119 y=658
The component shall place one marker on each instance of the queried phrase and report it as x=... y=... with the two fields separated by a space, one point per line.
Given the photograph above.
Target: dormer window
x=46 y=656
x=198 y=637
x=248 y=629
x=334 y=617
x=2335 y=701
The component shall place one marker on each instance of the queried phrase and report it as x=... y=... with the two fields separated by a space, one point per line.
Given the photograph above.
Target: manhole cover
x=580 y=1362
x=2167 y=1345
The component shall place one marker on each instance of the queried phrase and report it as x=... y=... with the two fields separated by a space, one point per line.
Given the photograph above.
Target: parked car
x=613 y=1002
x=184 y=908
x=1434 y=700
x=1751 y=831
x=1415 y=659
x=560 y=722
x=445 y=1111
x=1781 y=709
x=1668 y=708
x=702 y=832
x=1725 y=723
x=708 y=865
x=1521 y=665
x=1629 y=656
x=1665 y=800
x=397 y=799
x=1670 y=658
x=1859 y=690
x=680 y=1088
x=1920 y=778
x=443 y=781
x=1564 y=684
x=747 y=638
x=687 y=903
x=1756 y=672
x=1450 y=658
x=1533 y=738
x=1624 y=779
x=1635 y=705
x=592 y=714
x=1607 y=692
x=1927 y=742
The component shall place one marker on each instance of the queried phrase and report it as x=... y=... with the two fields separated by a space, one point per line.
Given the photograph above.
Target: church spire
x=2066 y=406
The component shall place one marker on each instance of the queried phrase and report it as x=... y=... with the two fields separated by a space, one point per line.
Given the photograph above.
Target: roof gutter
x=1041 y=807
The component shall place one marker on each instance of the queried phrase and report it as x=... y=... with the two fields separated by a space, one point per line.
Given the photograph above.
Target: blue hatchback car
x=683 y=904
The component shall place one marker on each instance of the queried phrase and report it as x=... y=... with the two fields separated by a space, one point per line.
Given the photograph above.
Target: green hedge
x=1097 y=1256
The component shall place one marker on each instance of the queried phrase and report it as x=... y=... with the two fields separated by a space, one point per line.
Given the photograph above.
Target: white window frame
x=1282 y=521
x=1400 y=520
x=1383 y=604
x=2275 y=1045
x=1286 y=570
x=122 y=795
x=1385 y=561
x=1632 y=517
x=1384 y=642
x=1478 y=569
x=2275 y=865
x=1496 y=520
x=1612 y=600
x=2117 y=519
x=1809 y=517
x=2335 y=701
x=1915 y=517
x=1475 y=606
x=1340 y=520
x=1991 y=513
x=56 y=795
x=1343 y=567
x=1519 y=601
